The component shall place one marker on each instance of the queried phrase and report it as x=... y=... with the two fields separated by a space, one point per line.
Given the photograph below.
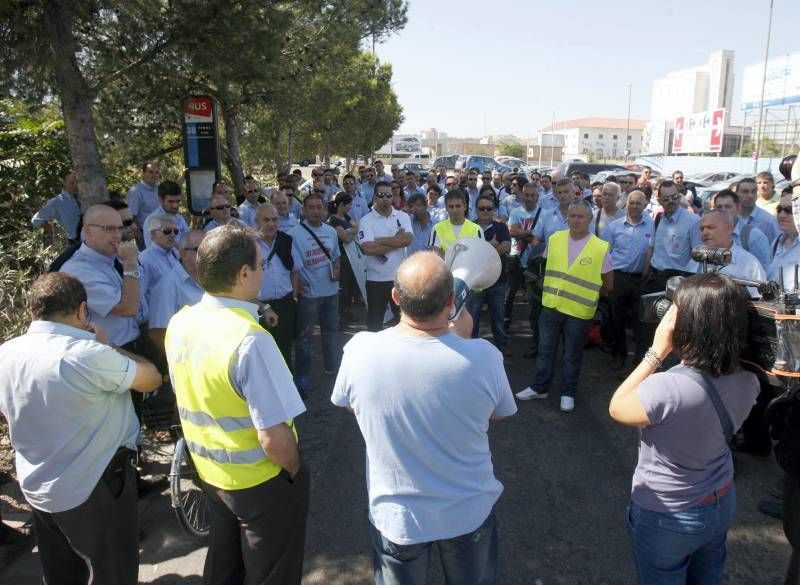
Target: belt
x=710 y=499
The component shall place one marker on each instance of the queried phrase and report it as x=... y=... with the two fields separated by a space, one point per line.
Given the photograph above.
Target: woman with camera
x=683 y=498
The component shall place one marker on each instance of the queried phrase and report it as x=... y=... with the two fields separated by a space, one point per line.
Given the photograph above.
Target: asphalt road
x=561 y=517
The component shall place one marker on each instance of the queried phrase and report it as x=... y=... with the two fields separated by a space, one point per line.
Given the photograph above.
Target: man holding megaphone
x=578 y=271
x=423 y=394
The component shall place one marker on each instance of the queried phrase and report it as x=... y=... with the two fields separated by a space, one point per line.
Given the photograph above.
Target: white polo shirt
x=374 y=225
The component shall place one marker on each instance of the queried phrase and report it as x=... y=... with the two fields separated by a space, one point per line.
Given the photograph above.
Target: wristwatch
x=133 y=274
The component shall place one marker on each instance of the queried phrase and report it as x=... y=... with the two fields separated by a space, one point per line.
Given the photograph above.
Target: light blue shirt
x=601 y=221
x=276 y=280
x=757 y=244
x=175 y=290
x=359 y=208
x=524 y=218
x=423 y=408
x=786 y=258
x=422 y=235
x=64 y=209
x=550 y=222
x=765 y=221
x=142 y=200
x=247 y=212
x=65 y=397
x=367 y=191
x=628 y=243
x=547 y=199
x=103 y=286
x=315 y=268
x=673 y=241
x=287 y=224
x=437 y=214
x=511 y=203
x=180 y=223
x=155 y=262
x=259 y=373
x=213 y=224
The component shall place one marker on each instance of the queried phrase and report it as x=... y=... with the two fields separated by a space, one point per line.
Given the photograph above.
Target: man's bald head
x=99 y=214
x=423 y=286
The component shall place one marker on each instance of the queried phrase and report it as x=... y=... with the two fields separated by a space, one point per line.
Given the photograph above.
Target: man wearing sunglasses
x=160 y=256
x=169 y=197
x=248 y=207
x=219 y=209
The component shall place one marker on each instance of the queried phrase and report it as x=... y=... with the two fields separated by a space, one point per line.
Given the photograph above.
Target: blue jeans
x=469 y=559
x=493 y=296
x=324 y=310
x=681 y=547
x=551 y=324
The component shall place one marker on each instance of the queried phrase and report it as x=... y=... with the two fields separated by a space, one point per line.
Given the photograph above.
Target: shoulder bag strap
x=704 y=381
x=316 y=239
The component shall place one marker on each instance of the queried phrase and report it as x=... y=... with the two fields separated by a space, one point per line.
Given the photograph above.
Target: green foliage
x=515 y=150
x=769 y=148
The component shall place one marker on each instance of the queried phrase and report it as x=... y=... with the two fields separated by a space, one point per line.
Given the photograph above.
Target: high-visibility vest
x=200 y=343
x=446 y=237
x=573 y=290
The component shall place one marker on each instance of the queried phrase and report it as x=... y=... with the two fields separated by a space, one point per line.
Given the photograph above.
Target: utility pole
x=763 y=88
x=628 y=125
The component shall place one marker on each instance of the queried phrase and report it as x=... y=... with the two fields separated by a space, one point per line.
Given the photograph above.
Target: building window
x=629 y=136
x=614 y=137
x=586 y=136
x=600 y=136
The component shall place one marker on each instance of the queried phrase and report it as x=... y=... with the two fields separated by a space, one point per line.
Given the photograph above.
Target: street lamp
x=763 y=87
x=628 y=125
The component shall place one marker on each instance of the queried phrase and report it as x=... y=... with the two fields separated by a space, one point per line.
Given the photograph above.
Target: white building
x=596 y=138
x=697 y=89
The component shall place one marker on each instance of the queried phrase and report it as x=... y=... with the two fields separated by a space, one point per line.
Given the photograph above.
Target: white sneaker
x=530 y=394
x=567 y=404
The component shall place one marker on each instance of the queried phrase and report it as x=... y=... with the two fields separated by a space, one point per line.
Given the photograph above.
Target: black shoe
x=531 y=353
x=771 y=508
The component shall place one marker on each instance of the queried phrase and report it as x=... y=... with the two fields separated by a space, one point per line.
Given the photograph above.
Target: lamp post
x=628 y=124
x=763 y=87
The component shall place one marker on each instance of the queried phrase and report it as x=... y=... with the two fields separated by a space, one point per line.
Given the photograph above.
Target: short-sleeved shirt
x=683 y=456
x=65 y=397
x=628 y=243
x=247 y=212
x=744 y=265
x=525 y=220
x=769 y=205
x=142 y=200
x=155 y=262
x=103 y=286
x=259 y=373
x=180 y=223
x=673 y=241
x=786 y=258
x=757 y=242
x=373 y=226
x=765 y=221
x=214 y=224
x=288 y=223
x=422 y=235
x=360 y=207
x=64 y=209
x=550 y=222
x=601 y=221
x=175 y=290
x=315 y=268
x=423 y=405
x=276 y=279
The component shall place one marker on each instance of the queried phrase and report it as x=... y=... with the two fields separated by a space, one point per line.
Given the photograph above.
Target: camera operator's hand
x=662 y=342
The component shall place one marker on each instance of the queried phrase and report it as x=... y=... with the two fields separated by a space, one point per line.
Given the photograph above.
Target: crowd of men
x=582 y=253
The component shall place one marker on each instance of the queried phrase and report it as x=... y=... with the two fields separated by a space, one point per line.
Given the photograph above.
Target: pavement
x=561 y=518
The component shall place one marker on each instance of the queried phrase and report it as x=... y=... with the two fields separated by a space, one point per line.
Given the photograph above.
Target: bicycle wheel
x=186 y=493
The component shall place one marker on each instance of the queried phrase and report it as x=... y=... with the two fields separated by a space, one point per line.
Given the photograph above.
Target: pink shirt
x=576 y=246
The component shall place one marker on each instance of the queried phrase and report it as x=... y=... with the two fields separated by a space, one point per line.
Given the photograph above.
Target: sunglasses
x=169 y=231
x=319 y=191
x=383 y=195
x=221 y=207
x=784 y=209
x=485 y=208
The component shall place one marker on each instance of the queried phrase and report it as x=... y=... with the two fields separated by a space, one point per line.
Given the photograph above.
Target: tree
x=515 y=150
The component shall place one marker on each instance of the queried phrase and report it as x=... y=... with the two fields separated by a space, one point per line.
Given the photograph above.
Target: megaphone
x=475 y=264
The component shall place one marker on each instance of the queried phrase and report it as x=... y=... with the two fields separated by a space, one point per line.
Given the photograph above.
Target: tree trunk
x=76 y=104
x=234 y=158
x=290 y=148
x=276 y=146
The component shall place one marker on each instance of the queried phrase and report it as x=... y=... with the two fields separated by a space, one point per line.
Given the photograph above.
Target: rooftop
x=635 y=124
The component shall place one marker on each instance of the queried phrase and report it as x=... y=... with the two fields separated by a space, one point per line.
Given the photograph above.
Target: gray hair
x=583 y=205
x=613 y=186
x=726 y=215
x=157 y=220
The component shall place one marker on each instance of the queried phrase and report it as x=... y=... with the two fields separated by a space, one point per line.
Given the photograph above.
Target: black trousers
x=515 y=279
x=258 y=534
x=791 y=526
x=97 y=542
x=624 y=301
x=347 y=286
x=284 y=332
x=379 y=293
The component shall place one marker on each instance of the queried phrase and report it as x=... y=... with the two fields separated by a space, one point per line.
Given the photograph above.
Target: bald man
x=426 y=426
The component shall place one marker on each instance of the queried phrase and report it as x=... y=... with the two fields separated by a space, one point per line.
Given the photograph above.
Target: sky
x=473 y=68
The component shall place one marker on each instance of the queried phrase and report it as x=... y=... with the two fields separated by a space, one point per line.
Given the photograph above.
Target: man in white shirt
x=716 y=231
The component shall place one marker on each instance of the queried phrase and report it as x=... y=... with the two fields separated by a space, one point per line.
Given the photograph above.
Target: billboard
x=654 y=138
x=699 y=132
x=401 y=144
x=782 y=85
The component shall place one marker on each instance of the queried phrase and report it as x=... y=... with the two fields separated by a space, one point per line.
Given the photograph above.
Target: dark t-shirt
x=497 y=230
x=345 y=224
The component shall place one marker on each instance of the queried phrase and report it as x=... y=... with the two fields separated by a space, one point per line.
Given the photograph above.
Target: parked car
x=448 y=162
x=480 y=162
x=565 y=169
x=512 y=161
x=705 y=193
x=414 y=167
x=708 y=179
x=421 y=157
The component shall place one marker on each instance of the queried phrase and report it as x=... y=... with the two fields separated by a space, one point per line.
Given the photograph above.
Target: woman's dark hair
x=711 y=326
x=435 y=188
x=486 y=188
x=221 y=256
x=54 y=294
x=341 y=198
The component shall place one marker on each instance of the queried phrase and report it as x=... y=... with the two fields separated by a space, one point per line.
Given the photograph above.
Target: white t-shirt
x=374 y=225
x=423 y=406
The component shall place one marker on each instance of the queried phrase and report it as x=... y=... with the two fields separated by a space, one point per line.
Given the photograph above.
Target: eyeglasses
x=472 y=178
x=221 y=207
x=784 y=209
x=319 y=191
x=127 y=222
x=485 y=208
x=169 y=231
x=109 y=229
x=383 y=195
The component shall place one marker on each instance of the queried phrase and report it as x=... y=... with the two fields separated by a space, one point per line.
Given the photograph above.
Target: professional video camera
x=773 y=339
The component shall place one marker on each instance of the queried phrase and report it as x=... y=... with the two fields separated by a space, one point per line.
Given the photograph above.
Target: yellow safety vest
x=573 y=290
x=446 y=237
x=200 y=343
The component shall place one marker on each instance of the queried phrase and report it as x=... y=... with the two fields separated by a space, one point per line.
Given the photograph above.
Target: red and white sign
x=700 y=132
x=198 y=110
